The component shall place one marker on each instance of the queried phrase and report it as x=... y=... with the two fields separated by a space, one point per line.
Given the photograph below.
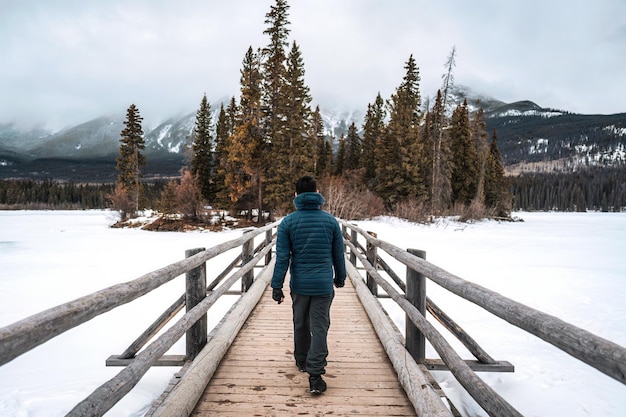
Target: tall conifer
x=481 y=142
x=300 y=145
x=398 y=165
x=373 y=129
x=497 y=194
x=274 y=104
x=131 y=160
x=464 y=157
x=320 y=159
x=247 y=151
x=202 y=163
x=353 y=148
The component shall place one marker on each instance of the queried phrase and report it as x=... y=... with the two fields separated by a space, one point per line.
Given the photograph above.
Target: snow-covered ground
x=570 y=265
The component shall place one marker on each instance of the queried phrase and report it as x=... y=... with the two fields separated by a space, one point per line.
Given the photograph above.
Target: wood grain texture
x=258 y=375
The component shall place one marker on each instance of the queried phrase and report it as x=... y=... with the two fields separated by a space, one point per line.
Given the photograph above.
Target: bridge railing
x=24 y=335
x=601 y=354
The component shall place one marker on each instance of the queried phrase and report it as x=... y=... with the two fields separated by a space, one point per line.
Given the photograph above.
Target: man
x=310 y=244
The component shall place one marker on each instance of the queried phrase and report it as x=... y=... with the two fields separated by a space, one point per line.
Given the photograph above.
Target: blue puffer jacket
x=310 y=244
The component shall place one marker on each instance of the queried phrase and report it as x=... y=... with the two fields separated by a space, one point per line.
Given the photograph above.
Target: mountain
x=530 y=138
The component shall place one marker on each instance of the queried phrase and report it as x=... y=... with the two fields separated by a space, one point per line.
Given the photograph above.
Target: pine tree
x=202 y=163
x=497 y=194
x=298 y=124
x=247 y=151
x=441 y=187
x=340 y=159
x=224 y=130
x=131 y=160
x=398 y=164
x=321 y=166
x=481 y=142
x=353 y=149
x=464 y=157
x=373 y=129
x=274 y=103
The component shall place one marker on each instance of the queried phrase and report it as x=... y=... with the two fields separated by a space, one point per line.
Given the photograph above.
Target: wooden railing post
x=246 y=255
x=372 y=257
x=416 y=295
x=353 y=239
x=268 y=241
x=195 y=292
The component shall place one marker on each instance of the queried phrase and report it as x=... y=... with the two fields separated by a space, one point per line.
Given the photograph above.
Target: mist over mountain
x=530 y=138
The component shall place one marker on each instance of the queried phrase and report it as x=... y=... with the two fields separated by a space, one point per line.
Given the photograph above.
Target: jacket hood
x=308 y=201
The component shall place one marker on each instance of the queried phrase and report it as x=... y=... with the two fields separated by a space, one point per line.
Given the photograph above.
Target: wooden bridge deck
x=258 y=376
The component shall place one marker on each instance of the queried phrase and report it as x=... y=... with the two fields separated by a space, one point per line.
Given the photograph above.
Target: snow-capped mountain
x=530 y=136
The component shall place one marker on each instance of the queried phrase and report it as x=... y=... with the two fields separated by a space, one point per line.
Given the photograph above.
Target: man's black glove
x=277 y=295
x=339 y=284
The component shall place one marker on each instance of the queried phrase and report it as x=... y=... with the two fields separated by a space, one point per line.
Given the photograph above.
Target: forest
x=413 y=159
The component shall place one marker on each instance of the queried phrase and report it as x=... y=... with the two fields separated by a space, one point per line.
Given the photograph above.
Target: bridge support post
x=246 y=255
x=353 y=239
x=416 y=295
x=268 y=241
x=195 y=291
x=372 y=258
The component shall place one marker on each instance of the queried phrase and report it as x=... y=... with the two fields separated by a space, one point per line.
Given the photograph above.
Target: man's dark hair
x=306 y=184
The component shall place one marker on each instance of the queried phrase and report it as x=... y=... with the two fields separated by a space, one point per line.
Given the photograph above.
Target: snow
x=541 y=113
x=570 y=265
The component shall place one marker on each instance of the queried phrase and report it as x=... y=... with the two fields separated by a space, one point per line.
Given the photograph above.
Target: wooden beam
x=476 y=366
x=185 y=395
x=421 y=393
x=165 y=360
x=24 y=335
x=108 y=394
x=606 y=356
x=485 y=396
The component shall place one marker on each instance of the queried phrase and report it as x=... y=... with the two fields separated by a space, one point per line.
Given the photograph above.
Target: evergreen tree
x=426 y=155
x=481 y=142
x=300 y=145
x=247 y=152
x=497 y=194
x=373 y=129
x=131 y=160
x=202 y=164
x=464 y=157
x=353 y=149
x=340 y=159
x=274 y=102
x=224 y=129
x=320 y=158
x=398 y=165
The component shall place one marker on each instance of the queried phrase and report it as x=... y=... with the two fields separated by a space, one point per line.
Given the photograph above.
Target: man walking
x=310 y=244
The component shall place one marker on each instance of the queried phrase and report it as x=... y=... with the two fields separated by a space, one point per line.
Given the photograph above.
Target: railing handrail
x=602 y=354
x=30 y=332
x=108 y=394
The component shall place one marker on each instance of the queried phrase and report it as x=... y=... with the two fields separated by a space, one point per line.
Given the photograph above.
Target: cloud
x=67 y=61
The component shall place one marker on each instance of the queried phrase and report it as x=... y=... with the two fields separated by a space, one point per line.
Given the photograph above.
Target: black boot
x=316 y=384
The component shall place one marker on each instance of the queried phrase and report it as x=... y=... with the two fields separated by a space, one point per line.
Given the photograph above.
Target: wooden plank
x=165 y=360
x=258 y=375
x=476 y=366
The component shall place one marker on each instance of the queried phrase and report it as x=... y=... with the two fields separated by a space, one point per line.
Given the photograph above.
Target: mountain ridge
x=528 y=134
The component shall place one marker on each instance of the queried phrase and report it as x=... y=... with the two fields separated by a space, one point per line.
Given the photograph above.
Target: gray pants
x=311 y=320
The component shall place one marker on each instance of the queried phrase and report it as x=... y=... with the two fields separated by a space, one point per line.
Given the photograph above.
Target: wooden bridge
x=245 y=366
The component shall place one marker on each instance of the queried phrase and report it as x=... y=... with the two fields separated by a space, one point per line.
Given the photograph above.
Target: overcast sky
x=64 y=62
